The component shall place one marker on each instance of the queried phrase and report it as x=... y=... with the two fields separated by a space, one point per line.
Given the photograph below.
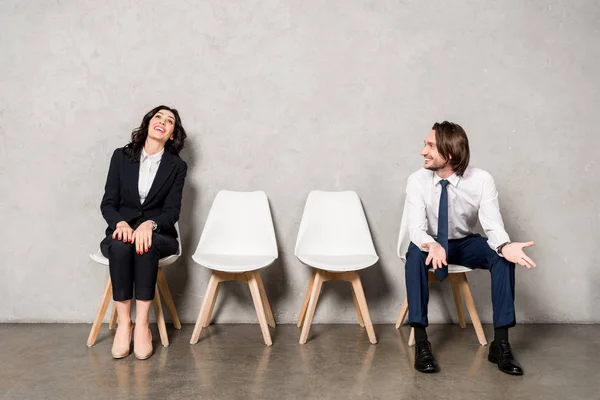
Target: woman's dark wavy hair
x=138 y=137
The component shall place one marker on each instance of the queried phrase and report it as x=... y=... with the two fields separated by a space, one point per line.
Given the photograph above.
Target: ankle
x=501 y=334
x=142 y=323
x=124 y=324
x=420 y=333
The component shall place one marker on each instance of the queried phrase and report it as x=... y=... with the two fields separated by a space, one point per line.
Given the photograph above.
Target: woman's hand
x=143 y=237
x=123 y=232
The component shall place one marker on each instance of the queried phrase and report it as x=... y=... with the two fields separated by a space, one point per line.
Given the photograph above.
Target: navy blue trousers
x=475 y=253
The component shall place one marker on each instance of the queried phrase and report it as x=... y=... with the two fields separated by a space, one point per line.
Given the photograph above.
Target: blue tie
x=442 y=234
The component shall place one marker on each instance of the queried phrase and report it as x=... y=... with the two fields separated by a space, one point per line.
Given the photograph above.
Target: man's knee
x=414 y=256
x=500 y=263
x=505 y=263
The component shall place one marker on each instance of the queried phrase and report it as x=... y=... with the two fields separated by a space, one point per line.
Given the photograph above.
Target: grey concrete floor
x=51 y=361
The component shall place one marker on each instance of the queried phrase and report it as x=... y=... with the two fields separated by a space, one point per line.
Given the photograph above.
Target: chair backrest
x=239 y=223
x=404 y=236
x=178 y=254
x=334 y=223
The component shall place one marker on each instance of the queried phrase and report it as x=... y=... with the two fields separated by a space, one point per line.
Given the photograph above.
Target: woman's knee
x=152 y=252
x=120 y=248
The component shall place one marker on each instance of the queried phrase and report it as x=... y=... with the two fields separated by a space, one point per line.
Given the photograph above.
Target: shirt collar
x=153 y=158
x=453 y=179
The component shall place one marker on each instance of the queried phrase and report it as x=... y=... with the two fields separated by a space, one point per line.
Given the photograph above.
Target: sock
x=501 y=334
x=420 y=333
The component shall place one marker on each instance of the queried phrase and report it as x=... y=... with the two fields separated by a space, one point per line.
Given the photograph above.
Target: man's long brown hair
x=453 y=145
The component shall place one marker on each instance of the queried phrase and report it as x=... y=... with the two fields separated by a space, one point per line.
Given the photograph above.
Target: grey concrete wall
x=290 y=96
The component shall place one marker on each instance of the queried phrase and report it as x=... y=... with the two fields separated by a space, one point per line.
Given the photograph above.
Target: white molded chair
x=238 y=240
x=161 y=283
x=457 y=275
x=334 y=239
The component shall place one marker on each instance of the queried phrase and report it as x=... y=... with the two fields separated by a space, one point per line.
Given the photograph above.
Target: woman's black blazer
x=121 y=200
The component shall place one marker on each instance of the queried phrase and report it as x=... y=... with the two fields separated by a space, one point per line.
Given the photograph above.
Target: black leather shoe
x=424 y=361
x=501 y=354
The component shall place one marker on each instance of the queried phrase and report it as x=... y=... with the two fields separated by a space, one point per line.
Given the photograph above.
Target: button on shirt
x=470 y=197
x=148 y=167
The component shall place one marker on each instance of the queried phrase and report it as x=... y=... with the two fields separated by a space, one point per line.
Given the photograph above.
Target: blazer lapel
x=165 y=168
x=133 y=176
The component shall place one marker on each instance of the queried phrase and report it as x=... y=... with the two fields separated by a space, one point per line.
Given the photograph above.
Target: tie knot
x=444 y=183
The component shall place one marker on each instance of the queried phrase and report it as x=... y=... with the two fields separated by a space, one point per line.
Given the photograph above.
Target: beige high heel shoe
x=123 y=350
x=143 y=352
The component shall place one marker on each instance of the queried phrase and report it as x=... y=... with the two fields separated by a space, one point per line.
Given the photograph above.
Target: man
x=444 y=200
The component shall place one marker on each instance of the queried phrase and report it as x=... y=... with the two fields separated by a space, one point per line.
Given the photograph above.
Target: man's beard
x=436 y=166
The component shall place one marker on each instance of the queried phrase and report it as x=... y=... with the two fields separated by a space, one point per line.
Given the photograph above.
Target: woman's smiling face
x=161 y=126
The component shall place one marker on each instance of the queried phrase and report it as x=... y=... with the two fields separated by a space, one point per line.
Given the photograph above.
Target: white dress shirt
x=471 y=196
x=148 y=167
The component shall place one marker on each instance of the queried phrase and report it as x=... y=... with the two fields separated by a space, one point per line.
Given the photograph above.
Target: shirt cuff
x=497 y=241
x=422 y=239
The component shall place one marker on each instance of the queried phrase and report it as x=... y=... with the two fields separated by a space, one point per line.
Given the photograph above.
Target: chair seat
x=341 y=263
x=233 y=263
x=452 y=268
x=99 y=258
x=455 y=269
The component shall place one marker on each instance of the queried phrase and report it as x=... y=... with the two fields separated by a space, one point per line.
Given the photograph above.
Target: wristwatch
x=499 y=248
x=154 y=225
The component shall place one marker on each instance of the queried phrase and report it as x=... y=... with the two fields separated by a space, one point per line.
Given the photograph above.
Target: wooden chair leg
x=361 y=322
x=312 y=305
x=166 y=295
x=466 y=292
x=265 y=300
x=113 y=317
x=204 y=309
x=101 y=313
x=306 y=299
x=364 y=309
x=160 y=318
x=403 y=312
x=411 y=338
x=258 y=304
x=213 y=301
x=454 y=279
x=431 y=277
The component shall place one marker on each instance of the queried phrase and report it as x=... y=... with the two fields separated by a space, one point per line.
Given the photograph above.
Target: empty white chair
x=335 y=240
x=238 y=240
x=161 y=283
x=458 y=279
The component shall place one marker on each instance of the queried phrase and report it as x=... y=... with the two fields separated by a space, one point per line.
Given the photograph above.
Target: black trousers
x=128 y=268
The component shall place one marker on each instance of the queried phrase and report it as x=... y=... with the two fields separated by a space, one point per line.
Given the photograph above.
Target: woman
x=141 y=203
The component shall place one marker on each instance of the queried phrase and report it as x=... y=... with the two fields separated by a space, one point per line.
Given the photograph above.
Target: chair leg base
x=100 y=315
x=312 y=297
x=259 y=297
x=160 y=319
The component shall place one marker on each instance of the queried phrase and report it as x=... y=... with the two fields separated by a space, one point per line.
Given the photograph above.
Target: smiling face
x=162 y=126
x=433 y=160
